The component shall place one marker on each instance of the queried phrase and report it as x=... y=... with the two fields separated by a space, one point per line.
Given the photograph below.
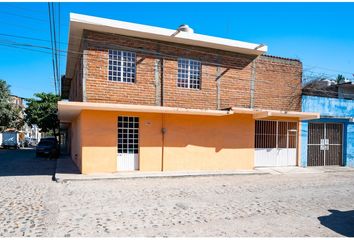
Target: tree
x=42 y=111
x=340 y=79
x=9 y=113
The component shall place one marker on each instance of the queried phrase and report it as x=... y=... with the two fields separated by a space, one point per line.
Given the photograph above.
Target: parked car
x=48 y=147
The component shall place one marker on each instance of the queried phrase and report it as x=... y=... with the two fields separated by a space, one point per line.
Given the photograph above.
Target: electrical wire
x=95 y=56
x=52 y=45
x=99 y=60
x=55 y=47
x=189 y=49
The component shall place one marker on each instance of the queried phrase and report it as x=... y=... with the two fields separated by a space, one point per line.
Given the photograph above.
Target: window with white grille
x=275 y=134
x=122 y=66
x=188 y=73
x=128 y=134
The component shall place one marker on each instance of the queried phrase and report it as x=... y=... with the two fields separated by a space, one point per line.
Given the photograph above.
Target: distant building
x=18 y=101
x=33 y=131
x=346 y=90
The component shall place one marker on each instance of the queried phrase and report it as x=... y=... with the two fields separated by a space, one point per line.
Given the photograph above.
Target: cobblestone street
x=296 y=205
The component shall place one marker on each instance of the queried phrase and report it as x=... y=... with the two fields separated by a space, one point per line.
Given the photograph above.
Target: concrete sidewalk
x=300 y=170
x=66 y=171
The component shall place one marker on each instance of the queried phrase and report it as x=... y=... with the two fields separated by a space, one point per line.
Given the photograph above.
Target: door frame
x=137 y=155
x=325 y=137
x=277 y=148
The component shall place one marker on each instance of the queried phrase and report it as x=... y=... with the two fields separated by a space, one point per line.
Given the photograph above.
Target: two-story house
x=154 y=99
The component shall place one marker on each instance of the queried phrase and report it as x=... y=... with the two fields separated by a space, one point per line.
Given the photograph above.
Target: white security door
x=128 y=143
x=275 y=144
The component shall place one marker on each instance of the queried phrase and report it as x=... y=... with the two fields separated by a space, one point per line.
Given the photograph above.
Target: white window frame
x=119 y=69
x=128 y=128
x=189 y=84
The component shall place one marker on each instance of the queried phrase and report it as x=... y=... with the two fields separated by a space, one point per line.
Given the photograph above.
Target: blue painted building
x=330 y=139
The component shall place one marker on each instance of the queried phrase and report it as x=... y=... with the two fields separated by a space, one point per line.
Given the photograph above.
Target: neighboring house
x=32 y=132
x=18 y=102
x=29 y=131
x=330 y=139
x=154 y=99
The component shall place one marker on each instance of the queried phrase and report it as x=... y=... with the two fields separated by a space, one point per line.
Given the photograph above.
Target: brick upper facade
x=227 y=79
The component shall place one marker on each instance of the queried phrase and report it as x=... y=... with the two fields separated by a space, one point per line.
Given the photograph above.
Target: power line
x=55 y=45
x=52 y=44
x=32 y=50
x=11 y=5
x=276 y=96
x=329 y=69
x=189 y=49
x=29 y=38
x=59 y=24
x=100 y=58
x=42 y=20
x=22 y=16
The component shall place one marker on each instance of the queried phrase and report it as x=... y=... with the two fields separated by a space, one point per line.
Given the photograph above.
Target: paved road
x=269 y=205
x=25 y=182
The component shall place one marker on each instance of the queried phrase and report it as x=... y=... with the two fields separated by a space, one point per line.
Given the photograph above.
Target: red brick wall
x=272 y=81
x=100 y=89
x=278 y=84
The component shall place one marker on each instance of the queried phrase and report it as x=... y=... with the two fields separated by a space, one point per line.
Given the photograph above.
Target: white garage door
x=128 y=143
x=275 y=143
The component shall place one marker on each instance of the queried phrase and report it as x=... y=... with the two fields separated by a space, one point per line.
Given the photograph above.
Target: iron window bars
x=188 y=73
x=122 y=66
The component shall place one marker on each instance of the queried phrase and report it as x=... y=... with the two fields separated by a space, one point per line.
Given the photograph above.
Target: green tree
x=42 y=110
x=340 y=79
x=10 y=116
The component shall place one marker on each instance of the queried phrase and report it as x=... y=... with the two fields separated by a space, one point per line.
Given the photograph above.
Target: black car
x=48 y=147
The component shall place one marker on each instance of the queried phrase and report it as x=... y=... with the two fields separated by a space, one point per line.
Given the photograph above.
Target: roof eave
x=67 y=111
x=264 y=113
x=79 y=22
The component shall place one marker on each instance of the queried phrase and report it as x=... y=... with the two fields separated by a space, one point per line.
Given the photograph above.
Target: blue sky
x=319 y=34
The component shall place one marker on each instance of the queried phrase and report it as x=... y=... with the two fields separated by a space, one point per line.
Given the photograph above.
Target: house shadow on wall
x=341 y=222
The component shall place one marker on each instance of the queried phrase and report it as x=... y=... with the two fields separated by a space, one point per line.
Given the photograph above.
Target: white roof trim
x=67 y=111
x=263 y=113
x=78 y=22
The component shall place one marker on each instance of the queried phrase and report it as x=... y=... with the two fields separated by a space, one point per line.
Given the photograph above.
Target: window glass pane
x=122 y=65
x=188 y=75
x=128 y=136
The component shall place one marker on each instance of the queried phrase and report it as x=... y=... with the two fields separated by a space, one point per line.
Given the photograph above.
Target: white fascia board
x=70 y=110
x=78 y=22
x=164 y=33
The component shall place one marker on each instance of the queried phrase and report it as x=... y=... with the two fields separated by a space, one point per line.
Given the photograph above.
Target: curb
x=64 y=180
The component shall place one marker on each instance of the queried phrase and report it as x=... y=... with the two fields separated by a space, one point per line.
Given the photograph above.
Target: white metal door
x=128 y=143
x=275 y=144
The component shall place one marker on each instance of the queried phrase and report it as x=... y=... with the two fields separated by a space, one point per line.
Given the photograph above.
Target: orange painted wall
x=99 y=141
x=208 y=143
x=76 y=151
x=190 y=142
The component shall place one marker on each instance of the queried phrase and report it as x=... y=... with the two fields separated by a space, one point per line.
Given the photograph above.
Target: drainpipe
x=163 y=129
x=163 y=132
